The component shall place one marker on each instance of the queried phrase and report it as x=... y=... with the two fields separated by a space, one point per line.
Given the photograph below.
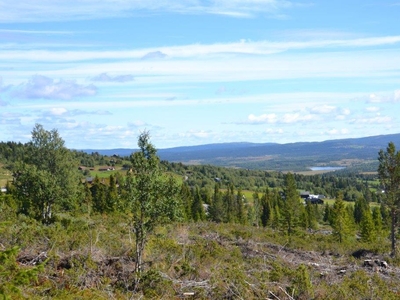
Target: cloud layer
x=42 y=87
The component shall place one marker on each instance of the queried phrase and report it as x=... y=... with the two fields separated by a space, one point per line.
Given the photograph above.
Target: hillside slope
x=272 y=156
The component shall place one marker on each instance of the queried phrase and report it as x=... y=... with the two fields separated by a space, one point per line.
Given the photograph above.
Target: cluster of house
x=313 y=199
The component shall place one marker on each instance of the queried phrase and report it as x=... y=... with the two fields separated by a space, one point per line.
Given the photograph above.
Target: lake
x=326 y=168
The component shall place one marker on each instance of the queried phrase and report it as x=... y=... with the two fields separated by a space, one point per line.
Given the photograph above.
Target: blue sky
x=197 y=72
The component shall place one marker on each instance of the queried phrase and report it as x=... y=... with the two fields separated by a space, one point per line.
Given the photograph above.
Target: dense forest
x=147 y=228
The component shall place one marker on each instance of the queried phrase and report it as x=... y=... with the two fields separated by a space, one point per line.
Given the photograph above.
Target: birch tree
x=47 y=178
x=152 y=197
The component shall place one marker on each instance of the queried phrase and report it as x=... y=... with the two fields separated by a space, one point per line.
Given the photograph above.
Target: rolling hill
x=351 y=153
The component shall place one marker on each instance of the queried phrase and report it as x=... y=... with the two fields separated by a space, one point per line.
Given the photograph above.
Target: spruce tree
x=240 y=210
x=340 y=220
x=217 y=209
x=367 y=228
x=291 y=207
x=197 y=208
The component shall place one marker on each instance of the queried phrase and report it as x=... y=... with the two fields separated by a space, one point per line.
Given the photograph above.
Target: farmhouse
x=106 y=168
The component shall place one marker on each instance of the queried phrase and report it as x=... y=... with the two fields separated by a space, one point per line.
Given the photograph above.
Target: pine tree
x=340 y=220
x=240 y=211
x=266 y=209
x=309 y=219
x=197 y=208
x=377 y=218
x=367 y=228
x=88 y=199
x=112 y=195
x=217 y=210
x=229 y=203
x=187 y=199
x=359 y=207
x=253 y=210
x=389 y=176
x=99 y=195
x=292 y=207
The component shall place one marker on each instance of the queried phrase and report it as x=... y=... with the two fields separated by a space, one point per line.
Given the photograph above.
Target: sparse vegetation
x=142 y=233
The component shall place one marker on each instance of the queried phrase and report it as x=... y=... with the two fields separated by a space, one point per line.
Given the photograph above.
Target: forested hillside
x=358 y=154
x=150 y=228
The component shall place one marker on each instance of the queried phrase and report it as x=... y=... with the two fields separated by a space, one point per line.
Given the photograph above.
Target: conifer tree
x=187 y=199
x=240 y=211
x=217 y=210
x=367 y=228
x=389 y=176
x=112 y=195
x=266 y=209
x=340 y=220
x=99 y=195
x=197 y=208
x=377 y=218
x=229 y=203
x=291 y=207
x=309 y=219
x=88 y=199
x=256 y=208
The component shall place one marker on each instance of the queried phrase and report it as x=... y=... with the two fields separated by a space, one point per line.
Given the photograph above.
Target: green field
x=5 y=176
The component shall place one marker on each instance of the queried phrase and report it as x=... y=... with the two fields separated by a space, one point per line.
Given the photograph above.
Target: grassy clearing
x=5 y=176
x=106 y=174
x=332 y=201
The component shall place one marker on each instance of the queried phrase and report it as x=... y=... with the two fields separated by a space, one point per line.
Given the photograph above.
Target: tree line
x=46 y=182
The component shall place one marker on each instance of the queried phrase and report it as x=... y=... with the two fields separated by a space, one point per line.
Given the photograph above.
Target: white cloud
x=274 y=131
x=137 y=123
x=154 y=55
x=373 y=98
x=396 y=96
x=59 y=10
x=42 y=87
x=104 y=77
x=58 y=111
x=372 y=109
x=346 y=111
x=372 y=120
x=200 y=50
x=323 y=109
x=61 y=111
x=264 y=118
x=200 y=134
x=342 y=131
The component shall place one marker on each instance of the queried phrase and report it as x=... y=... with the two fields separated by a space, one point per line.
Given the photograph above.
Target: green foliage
x=152 y=197
x=302 y=286
x=47 y=178
x=216 y=210
x=367 y=226
x=292 y=207
x=389 y=175
x=341 y=223
x=197 y=209
x=13 y=277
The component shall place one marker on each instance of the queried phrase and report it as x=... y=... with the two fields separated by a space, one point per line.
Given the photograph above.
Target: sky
x=194 y=72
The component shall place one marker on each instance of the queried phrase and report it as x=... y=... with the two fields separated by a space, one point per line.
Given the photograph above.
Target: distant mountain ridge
x=272 y=155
